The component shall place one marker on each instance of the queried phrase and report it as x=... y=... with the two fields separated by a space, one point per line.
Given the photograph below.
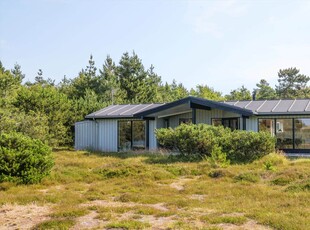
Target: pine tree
x=264 y=91
x=292 y=84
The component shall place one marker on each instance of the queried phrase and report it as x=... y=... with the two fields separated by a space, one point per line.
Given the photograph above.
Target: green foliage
x=23 y=160
x=172 y=92
x=239 y=94
x=166 y=138
x=218 y=158
x=244 y=146
x=264 y=91
x=204 y=91
x=217 y=143
x=40 y=100
x=292 y=84
x=137 y=85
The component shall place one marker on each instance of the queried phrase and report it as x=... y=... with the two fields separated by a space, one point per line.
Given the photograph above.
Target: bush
x=205 y=140
x=23 y=160
x=244 y=146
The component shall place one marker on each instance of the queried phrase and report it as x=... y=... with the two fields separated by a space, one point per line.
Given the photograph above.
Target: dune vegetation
x=143 y=191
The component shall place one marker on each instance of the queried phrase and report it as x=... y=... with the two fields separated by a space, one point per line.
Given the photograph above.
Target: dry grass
x=136 y=191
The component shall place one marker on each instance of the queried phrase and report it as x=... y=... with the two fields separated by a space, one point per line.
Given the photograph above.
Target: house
x=124 y=127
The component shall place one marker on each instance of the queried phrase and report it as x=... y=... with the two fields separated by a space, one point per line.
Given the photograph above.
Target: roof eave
x=200 y=101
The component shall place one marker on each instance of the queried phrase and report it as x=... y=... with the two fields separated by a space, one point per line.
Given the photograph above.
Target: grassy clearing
x=132 y=191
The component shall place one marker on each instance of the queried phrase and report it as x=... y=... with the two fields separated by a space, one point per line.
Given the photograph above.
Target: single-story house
x=124 y=127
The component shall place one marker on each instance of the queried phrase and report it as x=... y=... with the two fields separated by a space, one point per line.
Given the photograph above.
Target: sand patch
x=22 y=216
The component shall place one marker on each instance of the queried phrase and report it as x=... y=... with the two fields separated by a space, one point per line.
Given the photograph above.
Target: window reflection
x=266 y=125
x=284 y=133
x=302 y=133
x=131 y=135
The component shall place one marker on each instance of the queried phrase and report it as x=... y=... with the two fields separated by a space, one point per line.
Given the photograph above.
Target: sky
x=222 y=44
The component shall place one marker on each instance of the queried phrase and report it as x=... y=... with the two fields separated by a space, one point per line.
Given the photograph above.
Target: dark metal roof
x=121 y=111
x=194 y=101
x=274 y=107
x=245 y=108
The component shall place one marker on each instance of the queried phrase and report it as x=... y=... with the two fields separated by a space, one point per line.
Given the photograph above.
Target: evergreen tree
x=264 y=91
x=46 y=100
x=239 y=94
x=136 y=84
x=110 y=83
x=292 y=84
x=17 y=73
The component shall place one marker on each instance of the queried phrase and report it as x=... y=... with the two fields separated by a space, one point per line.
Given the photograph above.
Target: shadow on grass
x=151 y=157
x=60 y=149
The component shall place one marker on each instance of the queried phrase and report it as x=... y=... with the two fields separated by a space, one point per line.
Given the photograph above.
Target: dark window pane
x=234 y=124
x=185 y=120
x=302 y=133
x=284 y=133
x=124 y=135
x=217 y=121
x=138 y=134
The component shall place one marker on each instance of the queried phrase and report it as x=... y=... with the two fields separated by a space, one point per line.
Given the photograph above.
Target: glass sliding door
x=284 y=133
x=138 y=134
x=131 y=135
x=124 y=135
x=291 y=133
x=302 y=133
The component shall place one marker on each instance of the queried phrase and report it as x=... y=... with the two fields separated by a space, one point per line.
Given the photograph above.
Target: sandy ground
x=22 y=216
x=27 y=216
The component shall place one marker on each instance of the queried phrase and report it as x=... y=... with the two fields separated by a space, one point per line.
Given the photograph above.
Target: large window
x=232 y=123
x=291 y=133
x=131 y=135
x=302 y=133
x=284 y=133
x=138 y=134
x=266 y=125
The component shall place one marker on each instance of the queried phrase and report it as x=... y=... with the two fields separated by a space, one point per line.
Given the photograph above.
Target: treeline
x=46 y=110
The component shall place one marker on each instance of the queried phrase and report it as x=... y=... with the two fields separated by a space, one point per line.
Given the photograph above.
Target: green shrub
x=217 y=142
x=23 y=160
x=166 y=138
x=218 y=158
x=272 y=160
x=244 y=146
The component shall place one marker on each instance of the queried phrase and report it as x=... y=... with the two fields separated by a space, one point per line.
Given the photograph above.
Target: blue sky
x=224 y=44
